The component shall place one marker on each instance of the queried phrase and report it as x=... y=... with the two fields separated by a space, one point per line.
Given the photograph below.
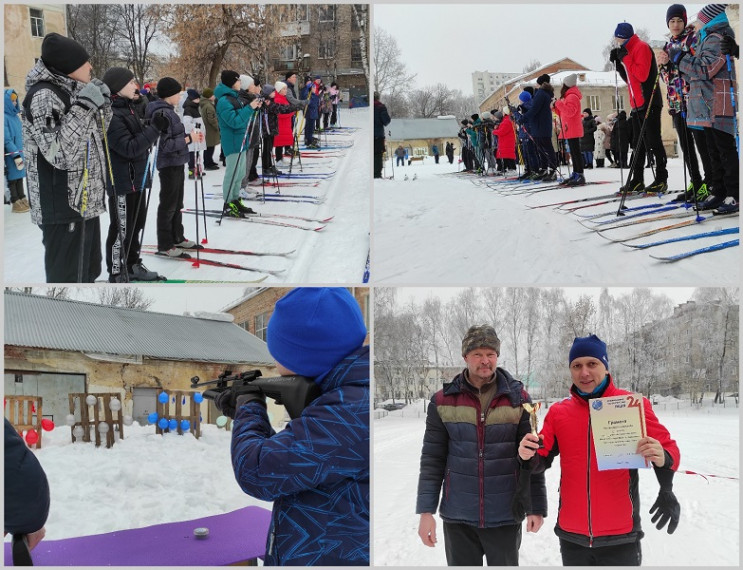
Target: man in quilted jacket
x=598 y=521
x=315 y=470
x=469 y=460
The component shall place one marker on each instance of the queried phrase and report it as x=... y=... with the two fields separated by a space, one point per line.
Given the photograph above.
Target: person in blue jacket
x=316 y=470
x=15 y=169
x=311 y=94
x=26 y=496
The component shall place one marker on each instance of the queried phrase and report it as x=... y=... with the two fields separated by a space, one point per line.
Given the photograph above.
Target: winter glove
x=666 y=507
x=19 y=163
x=105 y=91
x=617 y=54
x=729 y=47
x=91 y=96
x=161 y=122
x=675 y=53
x=521 y=503
x=228 y=402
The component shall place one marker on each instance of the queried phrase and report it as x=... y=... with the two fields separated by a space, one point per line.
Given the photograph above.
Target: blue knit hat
x=313 y=328
x=624 y=31
x=525 y=97
x=589 y=346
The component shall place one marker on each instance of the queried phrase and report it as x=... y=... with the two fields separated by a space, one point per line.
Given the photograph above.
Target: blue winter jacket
x=313 y=106
x=13 y=137
x=233 y=114
x=316 y=471
x=473 y=454
x=539 y=116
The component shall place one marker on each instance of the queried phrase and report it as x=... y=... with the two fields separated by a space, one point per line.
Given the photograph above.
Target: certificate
x=618 y=424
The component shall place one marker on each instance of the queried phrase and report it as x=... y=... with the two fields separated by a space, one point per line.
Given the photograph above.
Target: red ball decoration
x=47 y=424
x=31 y=437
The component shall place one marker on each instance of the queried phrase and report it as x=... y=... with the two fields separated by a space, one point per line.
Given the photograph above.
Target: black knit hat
x=288 y=74
x=676 y=11
x=168 y=86
x=587 y=110
x=63 y=54
x=529 y=89
x=117 y=78
x=474 y=116
x=229 y=77
x=544 y=78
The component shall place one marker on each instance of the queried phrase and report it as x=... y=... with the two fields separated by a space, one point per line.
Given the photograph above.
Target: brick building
x=254 y=310
x=325 y=40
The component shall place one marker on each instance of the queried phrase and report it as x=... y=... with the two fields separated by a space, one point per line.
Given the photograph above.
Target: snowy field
x=449 y=229
x=144 y=479
x=709 y=529
x=337 y=254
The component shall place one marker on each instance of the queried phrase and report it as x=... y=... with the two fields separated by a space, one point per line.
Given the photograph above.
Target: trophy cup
x=533 y=409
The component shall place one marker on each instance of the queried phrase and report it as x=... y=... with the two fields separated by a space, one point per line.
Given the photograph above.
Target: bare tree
x=95 y=27
x=361 y=15
x=141 y=24
x=531 y=66
x=53 y=292
x=390 y=73
x=129 y=297
x=422 y=103
x=398 y=105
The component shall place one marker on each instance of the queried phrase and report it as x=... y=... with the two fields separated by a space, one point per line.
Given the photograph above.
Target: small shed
x=56 y=347
x=419 y=135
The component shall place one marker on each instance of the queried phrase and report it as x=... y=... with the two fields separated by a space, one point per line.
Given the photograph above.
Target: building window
x=326 y=13
x=327 y=49
x=37 y=23
x=614 y=102
x=261 y=323
x=593 y=103
x=295 y=13
x=288 y=52
x=244 y=325
x=355 y=51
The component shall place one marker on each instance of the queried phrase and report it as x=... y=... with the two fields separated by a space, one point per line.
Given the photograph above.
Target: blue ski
x=724 y=232
x=637 y=215
x=684 y=255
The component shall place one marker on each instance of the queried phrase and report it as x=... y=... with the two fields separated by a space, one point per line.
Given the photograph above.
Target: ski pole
x=83 y=207
x=234 y=170
x=619 y=132
x=203 y=204
x=149 y=173
x=733 y=103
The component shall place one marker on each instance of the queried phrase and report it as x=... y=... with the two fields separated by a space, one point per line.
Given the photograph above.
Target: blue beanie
x=313 y=328
x=525 y=97
x=624 y=31
x=589 y=346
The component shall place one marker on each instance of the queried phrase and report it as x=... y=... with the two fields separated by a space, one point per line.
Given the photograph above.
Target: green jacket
x=233 y=117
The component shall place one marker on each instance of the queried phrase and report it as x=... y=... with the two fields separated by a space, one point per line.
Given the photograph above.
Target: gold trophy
x=533 y=409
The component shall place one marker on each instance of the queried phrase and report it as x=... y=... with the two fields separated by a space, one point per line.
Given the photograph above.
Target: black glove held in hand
x=668 y=509
x=617 y=54
x=160 y=121
x=521 y=503
x=228 y=403
x=729 y=47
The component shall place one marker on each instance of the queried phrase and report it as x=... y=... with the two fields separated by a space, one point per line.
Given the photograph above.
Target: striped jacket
x=471 y=453
x=316 y=470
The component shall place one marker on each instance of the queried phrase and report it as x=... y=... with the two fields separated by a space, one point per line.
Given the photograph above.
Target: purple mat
x=233 y=537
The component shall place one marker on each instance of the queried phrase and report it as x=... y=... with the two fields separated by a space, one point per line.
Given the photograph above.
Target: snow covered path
x=337 y=254
x=449 y=229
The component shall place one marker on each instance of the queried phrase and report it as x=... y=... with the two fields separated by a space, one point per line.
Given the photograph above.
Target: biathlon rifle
x=293 y=392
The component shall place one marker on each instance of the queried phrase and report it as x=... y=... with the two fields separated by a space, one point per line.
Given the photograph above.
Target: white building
x=485 y=82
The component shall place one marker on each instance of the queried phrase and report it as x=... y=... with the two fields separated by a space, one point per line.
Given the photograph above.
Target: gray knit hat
x=480 y=336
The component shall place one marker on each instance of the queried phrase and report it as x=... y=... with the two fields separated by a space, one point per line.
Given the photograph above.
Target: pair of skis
x=258 y=219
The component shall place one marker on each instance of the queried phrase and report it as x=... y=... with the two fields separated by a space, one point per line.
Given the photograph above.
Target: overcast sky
x=447 y=42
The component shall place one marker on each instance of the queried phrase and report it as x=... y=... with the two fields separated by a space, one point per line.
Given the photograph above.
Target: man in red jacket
x=599 y=514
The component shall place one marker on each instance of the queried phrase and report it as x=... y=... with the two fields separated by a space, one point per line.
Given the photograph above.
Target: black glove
x=228 y=403
x=666 y=507
x=521 y=503
x=729 y=47
x=161 y=122
x=617 y=54
x=675 y=53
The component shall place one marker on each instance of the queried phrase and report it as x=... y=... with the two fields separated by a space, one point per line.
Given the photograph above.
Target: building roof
x=43 y=322
x=413 y=129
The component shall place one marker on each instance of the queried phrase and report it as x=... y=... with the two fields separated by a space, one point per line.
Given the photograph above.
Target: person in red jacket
x=598 y=521
x=635 y=63
x=568 y=108
x=506 y=152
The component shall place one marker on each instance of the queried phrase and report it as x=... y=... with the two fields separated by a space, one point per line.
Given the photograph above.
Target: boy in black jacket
x=129 y=143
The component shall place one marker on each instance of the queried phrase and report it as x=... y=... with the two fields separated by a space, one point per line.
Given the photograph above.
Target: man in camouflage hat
x=473 y=428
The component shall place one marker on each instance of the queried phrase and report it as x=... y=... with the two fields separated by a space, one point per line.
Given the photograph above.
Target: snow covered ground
x=709 y=529
x=449 y=229
x=143 y=479
x=337 y=254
